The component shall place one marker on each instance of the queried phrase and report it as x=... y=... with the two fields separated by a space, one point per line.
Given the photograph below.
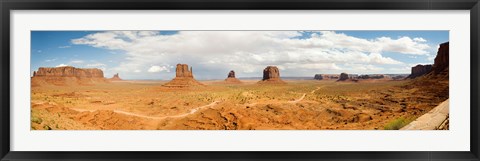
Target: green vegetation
x=398 y=123
x=37 y=120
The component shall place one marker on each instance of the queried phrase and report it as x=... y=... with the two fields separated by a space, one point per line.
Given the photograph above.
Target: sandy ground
x=300 y=104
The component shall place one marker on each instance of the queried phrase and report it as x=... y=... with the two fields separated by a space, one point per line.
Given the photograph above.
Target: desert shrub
x=397 y=123
x=37 y=120
x=46 y=127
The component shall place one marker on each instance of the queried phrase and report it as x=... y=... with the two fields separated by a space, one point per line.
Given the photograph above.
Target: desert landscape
x=70 y=98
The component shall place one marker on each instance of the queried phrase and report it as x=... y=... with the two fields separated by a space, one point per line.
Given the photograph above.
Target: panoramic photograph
x=239 y=80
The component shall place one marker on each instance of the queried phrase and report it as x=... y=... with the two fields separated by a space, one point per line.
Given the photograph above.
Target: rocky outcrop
x=439 y=69
x=318 y=77
x=183 y=71
x=441 y=60
x=115 y=78
x=231 y=78
x=68 y=75
x=183 y=77
x=420 y=70
x=432 y=120
x=231 y=74
x=326 y=76
x=399 y=77
x=68 y=71
x=271 y=74
x=343 y=77
x=373 y=76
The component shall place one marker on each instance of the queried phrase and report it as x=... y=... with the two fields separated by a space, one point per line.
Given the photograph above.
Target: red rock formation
x=318 y=77
x=420 y=70
x=231 y=78
x=373 y=76
x=115 y=78
x=343 y=77
x=271 y=74
x=183 y=77
x=67 y=75
x=441 y=60
x=231 y=74
x=69 y=71
x=439 y=68
x=326 y=76
x=182 y=71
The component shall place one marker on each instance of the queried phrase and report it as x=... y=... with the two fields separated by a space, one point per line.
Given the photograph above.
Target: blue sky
x=153 y=54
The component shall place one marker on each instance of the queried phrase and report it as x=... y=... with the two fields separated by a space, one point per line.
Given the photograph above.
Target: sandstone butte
x=343 y=77
x=326 y=76
x=67 y=75
x=271 y=75
x=115 y=77
x=439 y=67
x=231 y=79
x=420 y=70
x=183 y=77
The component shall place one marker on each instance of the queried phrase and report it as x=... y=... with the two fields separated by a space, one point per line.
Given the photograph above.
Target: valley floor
x=299 y=104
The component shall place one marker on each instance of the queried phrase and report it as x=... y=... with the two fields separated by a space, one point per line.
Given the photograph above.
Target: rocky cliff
x=441 y=60
x=271 y=74
x=420 y=70
x=439 y=69
x=65 y=76
x=68 y=71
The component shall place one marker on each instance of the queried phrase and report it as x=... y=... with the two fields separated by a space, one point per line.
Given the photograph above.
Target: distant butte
x=67 y=75
x=271 y=75
x=183 y=77
x=343 y=77
x=115 y=78
x=231 y=79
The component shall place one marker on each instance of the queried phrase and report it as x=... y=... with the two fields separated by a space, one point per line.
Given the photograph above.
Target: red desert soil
x=302 y=104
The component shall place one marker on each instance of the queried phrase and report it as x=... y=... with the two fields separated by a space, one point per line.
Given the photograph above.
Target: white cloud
x=156 y=69
x=419 y=39
x=403 y=45
x=137 y=71
x=376 y=58
x=248 y=52
x=62 y=65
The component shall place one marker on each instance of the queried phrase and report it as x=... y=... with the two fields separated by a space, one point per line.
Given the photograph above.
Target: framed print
x=239 y=80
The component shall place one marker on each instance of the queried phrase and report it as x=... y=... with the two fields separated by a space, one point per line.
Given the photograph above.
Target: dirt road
x=155 y=118
x=191 y=111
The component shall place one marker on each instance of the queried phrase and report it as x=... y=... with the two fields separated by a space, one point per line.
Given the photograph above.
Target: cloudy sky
x=154 y=54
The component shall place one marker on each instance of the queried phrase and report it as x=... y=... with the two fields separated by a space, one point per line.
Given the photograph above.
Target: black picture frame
x=5 y=72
